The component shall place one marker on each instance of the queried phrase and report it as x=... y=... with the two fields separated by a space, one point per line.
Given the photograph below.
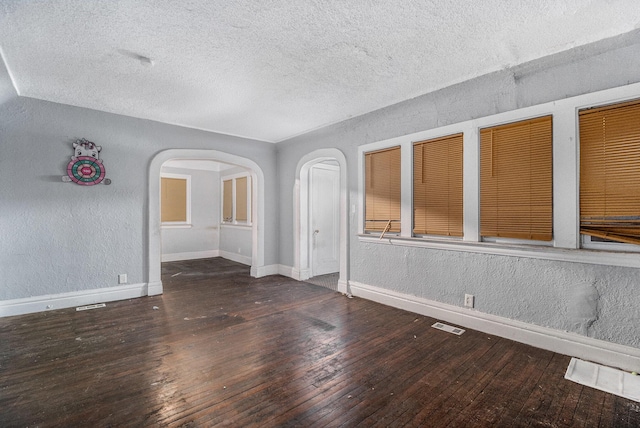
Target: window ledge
x=176 y=226
x=595 y=257
x=235 y=226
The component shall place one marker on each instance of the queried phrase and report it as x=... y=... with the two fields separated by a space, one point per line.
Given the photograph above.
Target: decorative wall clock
x=86 y=167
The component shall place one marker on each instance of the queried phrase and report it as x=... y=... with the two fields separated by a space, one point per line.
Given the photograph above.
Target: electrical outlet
x=468 y=300
x=122 y=278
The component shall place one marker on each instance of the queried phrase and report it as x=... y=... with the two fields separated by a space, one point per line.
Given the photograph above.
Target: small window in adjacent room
x=437 y=186
x=236 y=200
x=516 y=188
x=610 y=176
x=382 y=191
x=175 y=199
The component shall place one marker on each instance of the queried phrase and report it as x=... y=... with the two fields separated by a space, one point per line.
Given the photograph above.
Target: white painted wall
x=550 y=293
x=201 y=238
x=63 y=238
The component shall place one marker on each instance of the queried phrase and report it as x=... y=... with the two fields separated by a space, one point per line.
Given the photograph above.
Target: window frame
x=586 y=241
x=566 y=244
x=249 y=193
x=177 y=224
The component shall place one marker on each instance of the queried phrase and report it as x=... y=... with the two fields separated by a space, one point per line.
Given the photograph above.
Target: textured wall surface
x=7 y=91
x=596 y=301
x=203 y=235
x=60 y=237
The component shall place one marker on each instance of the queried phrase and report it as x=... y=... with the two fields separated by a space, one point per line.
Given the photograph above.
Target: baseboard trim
x=343 y=286
x=76 y=298
x=562 y=342
x=260 y=271
x=287 y=271
x=192 y=255
x=154 y=288
x=245 y=260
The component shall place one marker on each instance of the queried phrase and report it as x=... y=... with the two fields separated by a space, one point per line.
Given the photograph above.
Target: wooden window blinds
x=516 y=188
x=173 y=203
x=382 y=190
x=227 y=200
x=437 y=186
x=610 y=172
x=241 y=199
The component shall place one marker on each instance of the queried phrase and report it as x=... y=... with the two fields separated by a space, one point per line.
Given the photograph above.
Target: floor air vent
x=448 y=328
x=604 y=378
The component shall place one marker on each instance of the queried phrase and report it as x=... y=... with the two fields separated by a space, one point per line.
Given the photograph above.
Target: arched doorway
x=154 y=253
x=303 y=233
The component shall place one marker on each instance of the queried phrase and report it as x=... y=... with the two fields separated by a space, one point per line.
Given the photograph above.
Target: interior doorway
x=154 y=252
x=324 y=218
x=329 y=167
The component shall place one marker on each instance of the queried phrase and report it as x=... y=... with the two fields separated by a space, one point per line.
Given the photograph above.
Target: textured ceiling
x=274 y=69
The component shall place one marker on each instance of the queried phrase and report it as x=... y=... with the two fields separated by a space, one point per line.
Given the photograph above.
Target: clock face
x=86 y=171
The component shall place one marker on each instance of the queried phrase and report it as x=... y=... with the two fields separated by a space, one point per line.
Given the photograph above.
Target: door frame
x=335 y=168
x=301 y=215
x=154 y=250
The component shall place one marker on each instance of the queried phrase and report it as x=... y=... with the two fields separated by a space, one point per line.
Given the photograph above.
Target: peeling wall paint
x=582 y=307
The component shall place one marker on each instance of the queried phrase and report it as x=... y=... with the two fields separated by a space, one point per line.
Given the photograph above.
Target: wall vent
x=86 y=308
x=448 y=328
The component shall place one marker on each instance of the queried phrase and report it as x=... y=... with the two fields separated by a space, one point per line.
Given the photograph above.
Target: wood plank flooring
x=223 y=349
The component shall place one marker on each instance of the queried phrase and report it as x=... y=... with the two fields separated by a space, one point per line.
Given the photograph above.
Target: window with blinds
x=236 y=200
x=516 y=188
x=173 y=200
x=437 y=186
x=241 y=199
x=610 y=172
x=227 y=200
x=382 y=190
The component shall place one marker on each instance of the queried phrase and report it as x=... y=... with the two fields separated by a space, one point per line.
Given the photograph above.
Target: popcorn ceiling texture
x=273 y=70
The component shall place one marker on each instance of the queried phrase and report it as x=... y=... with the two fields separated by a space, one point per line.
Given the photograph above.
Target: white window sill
x=607 y=258
x=235 y=226
x=176 y=226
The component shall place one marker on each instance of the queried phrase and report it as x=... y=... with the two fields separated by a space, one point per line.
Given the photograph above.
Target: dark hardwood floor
x=223 y=349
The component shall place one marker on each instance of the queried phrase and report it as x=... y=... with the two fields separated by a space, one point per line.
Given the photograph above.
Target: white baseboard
x=260 y=271
x=343 y=286
x=245 y=260
x=562 y=342
x=154 y=288
x=192 y=255
x=303 y=275
x=68 y=300
x=287 y=271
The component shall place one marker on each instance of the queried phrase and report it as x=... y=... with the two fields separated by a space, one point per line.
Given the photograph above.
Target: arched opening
x=303 y=234
x=154 y=252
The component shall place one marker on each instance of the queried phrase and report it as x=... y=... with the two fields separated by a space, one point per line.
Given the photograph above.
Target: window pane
x=516 y=188
x=173 y=202
x=382 y=190
x=437 y=186
x=241 y=199
x=610 y=172
x=227 y=200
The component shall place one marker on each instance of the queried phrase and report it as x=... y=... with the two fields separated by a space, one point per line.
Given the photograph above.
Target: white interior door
x=324 y=213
